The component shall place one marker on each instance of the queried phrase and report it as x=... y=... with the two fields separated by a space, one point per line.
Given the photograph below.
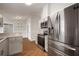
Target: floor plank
x=31 y=49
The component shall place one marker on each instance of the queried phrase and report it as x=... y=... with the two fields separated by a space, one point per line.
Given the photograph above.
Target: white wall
x=28 y=28
x=54 y=7
x=44 y=12
x=34 y=27
x=20 y=27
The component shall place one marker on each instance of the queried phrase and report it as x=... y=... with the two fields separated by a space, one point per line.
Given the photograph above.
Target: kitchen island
x=10 y=43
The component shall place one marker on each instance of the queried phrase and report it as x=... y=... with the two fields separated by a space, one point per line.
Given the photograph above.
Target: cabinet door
x=1 y=50
x=12 y=46
x=77 y=24
x=4 y=48
x=19 y=44
x=1 y=22
x=15 y=45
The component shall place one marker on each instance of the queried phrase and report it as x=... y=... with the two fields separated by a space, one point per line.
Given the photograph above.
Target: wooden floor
x=31 y=49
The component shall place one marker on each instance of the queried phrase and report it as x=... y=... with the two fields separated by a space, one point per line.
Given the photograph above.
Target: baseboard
x=25 y=38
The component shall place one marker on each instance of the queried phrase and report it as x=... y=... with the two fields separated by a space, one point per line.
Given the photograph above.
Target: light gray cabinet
x=1 y=50
x=4 y=48
x=1 y=22
x=11 y=46
x=15 y=45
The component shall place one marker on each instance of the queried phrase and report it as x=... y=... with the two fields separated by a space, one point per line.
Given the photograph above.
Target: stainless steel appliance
x=64 y=37
x=41 y=40
x=44 y=24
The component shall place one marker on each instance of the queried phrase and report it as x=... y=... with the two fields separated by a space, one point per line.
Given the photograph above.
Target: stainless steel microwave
x=44 y=24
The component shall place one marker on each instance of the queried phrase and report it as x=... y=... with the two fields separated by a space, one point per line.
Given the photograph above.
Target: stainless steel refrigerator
x=63 y=29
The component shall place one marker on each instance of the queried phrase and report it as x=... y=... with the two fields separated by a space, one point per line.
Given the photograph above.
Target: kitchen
x=48 y=27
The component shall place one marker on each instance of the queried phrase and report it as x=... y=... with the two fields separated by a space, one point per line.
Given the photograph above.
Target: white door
x=29 y=31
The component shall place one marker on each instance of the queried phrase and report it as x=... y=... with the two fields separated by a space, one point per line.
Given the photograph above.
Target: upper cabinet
x=1 y=21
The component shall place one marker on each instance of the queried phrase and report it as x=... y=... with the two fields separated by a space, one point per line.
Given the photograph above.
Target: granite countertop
x=2 y=39
x=4 y=36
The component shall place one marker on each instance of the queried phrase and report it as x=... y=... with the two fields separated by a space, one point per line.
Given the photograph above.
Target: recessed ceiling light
x=28 y=2
x=18 y=17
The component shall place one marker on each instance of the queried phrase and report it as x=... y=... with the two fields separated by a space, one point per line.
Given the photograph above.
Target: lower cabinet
x=15 y=45
x=4 y=48
x=11 y=46
x=1 y=51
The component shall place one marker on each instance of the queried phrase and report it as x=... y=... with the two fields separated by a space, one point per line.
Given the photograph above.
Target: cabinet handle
x=59 y=23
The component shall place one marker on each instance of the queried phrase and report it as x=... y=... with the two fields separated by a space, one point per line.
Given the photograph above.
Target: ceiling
x=22 y=9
